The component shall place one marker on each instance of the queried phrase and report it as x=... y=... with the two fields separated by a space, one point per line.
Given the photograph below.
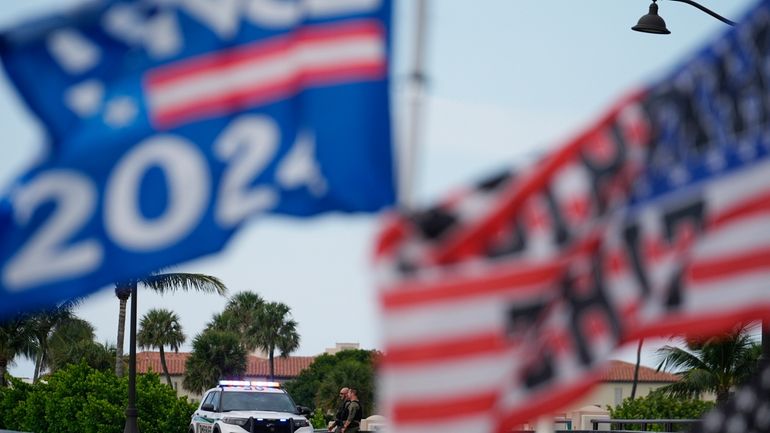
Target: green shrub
x=318 y=419
x=79 y=399
x=657 y=405
x=9 y=397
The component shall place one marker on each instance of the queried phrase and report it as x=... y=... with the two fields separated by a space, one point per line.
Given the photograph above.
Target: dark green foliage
x=658 y=405
x=216 y=355
x=79 y=399
x=46 y=322
x=73 y=341
x=160 y=328
x=9 y=397
x=712 y=364
x=99 y=356
x=241 y=316
x=276 y=330
x=317 y=387
x=259 y=325
x=16 y=339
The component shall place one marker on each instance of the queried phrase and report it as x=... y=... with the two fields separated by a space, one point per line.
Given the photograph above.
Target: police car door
x=207 y=414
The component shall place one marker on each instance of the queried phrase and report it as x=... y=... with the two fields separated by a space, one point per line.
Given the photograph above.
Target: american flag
x=501 y=303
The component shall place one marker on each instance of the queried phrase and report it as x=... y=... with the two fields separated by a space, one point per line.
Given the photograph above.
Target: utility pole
x=415 y=94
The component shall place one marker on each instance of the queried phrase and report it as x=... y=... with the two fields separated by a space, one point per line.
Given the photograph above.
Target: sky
x=506 y=80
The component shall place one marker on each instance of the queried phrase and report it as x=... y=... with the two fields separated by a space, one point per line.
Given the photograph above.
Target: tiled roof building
x=285 y=368
x=257 y=368
x=619 y=371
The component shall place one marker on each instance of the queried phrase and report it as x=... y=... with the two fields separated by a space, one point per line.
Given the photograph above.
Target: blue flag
x=172 y=122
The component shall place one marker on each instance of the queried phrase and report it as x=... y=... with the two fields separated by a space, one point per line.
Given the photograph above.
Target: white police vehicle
x=238 y=406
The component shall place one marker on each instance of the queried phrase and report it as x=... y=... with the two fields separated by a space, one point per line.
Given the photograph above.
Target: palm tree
x=216 y=354
x=715 y=364
x=276 y=330
x=122 y=292
x=69 y=343
x=161 y=283
x=15 y=339
x=43 y=324
x=160 y=328
x=240 y=316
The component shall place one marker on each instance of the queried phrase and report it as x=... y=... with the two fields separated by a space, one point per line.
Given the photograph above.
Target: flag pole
x=415 y=93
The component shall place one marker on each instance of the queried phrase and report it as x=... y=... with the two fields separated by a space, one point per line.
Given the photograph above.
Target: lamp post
x=653 y=23
x=131 y=411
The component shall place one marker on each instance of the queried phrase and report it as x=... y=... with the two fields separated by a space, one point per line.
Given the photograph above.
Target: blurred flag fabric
x=501 y=302
x=170 y=123
x=747 y=410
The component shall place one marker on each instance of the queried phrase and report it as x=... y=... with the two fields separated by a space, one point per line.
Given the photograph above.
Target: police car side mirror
x=208 y=407
x=302 y=410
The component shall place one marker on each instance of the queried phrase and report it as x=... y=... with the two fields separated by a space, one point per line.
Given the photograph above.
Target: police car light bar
x=234 y=383
x=266 y=384
x=249 y=383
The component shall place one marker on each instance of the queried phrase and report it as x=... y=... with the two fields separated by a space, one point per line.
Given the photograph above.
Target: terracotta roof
x=619 y=371
x=146 y=361
x=288 y=367
x=291 y=366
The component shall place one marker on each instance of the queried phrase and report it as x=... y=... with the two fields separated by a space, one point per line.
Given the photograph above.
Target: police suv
x=238 y=406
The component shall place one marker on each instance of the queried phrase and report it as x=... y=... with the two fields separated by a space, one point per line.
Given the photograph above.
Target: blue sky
x=506 y=79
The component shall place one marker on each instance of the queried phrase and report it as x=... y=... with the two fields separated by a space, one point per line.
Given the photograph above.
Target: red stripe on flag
x=544 y=402
x=175 y=93
x=756 y=205
x=436 y=408
x=431 y=351
x=731 y=266
x=524 y=276
x=273 y=47
x=246 y=97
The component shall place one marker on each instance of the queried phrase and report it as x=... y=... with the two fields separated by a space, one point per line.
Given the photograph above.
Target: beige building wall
x=613 y=393
x=181 y=391
x=339 y=347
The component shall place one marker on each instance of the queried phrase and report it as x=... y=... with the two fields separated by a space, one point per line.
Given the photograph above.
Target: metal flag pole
x=131 y=411
x=415 y=92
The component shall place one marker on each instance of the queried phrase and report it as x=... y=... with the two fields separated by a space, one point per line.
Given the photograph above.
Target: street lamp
x=653 y=23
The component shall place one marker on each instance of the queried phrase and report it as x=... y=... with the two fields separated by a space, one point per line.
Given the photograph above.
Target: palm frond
x=171 y=282
x=675 y=359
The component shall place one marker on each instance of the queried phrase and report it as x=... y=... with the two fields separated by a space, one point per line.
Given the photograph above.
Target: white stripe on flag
x=426 y=381
x=265 y=72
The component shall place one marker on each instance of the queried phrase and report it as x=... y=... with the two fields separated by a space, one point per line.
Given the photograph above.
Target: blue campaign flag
x=172 y=122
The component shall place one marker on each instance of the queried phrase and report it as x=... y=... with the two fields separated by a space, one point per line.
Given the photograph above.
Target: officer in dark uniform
x=342 y=412
x=355 y=412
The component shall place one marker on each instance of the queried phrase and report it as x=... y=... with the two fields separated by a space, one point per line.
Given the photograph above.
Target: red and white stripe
x=266 y=71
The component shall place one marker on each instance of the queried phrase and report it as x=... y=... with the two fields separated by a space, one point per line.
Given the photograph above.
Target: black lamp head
x=652 y=22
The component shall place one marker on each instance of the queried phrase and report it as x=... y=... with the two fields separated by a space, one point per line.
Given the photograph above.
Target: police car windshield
x=270 y=402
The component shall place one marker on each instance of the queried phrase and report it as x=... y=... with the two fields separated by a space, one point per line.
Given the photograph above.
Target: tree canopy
x=216 y=355
x=160 y=328
x=713 y=364
x=318 y=385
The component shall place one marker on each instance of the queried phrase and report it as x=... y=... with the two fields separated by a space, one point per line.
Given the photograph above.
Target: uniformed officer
x=353 y=421
x=342 y=412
